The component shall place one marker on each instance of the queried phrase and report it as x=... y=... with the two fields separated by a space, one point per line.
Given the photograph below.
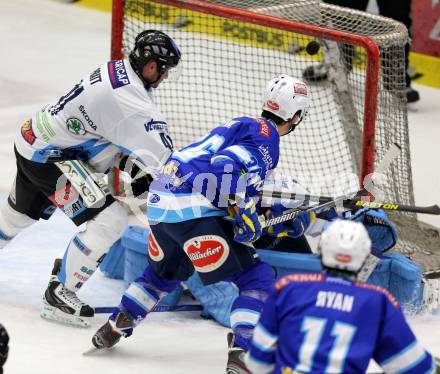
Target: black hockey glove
x=4 y=348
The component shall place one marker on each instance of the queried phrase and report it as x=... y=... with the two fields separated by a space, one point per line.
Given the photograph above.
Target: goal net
x=352 y=61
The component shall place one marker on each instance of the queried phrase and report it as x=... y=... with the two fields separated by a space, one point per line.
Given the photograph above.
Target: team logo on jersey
x=117 y=74
x=154 y=250
x=154 y=198
x=300 y=89
x=75 y=126
x=27 y=133
x=207 y=252
x=272 y=105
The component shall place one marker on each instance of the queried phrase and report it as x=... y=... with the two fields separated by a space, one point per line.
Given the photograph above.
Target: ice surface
x=46 y=47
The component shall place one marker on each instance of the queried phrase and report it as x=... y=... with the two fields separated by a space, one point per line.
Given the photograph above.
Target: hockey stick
x=158 y=308
x=290 y=214
x=86 y=181
x=355 y=203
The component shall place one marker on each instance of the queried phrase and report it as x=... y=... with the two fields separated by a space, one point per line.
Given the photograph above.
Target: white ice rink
x=46 y=47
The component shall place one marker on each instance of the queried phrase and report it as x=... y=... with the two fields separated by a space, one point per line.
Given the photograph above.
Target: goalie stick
x=354 y=203
x=371 y=261
x=290 y=214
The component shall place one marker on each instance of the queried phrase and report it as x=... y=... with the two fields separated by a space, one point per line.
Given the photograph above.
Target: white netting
x=226 y=63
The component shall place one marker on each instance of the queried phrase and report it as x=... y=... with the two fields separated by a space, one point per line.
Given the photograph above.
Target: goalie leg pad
x=216 y=298
x=381 y=230
x=87 y=249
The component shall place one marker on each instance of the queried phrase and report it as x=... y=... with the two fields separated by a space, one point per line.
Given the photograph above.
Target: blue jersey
x=314 y=323
x=197 y=180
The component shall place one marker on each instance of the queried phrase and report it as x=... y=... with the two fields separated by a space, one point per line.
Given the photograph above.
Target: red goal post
x=370 y=46
x=231 y=48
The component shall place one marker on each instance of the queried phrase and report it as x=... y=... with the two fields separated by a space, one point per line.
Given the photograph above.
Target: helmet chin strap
x=293 y=127
x=160 y=75
x=147 y=83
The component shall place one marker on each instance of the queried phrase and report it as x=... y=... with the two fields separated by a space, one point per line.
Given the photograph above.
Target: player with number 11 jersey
x=330 y=323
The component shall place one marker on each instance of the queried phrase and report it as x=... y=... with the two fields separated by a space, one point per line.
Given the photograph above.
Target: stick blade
x=435 y=209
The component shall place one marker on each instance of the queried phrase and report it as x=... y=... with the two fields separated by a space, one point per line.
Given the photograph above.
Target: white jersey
x=107 y=112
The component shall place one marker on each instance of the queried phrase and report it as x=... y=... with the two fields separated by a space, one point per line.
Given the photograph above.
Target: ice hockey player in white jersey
x=61 y=150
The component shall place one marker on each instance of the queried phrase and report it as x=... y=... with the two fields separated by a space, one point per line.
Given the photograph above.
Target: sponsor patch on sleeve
x=153 y=125
x=264 y=128
x=117 y=74
x=27 y=133
x=284 y=281
x=380 y=289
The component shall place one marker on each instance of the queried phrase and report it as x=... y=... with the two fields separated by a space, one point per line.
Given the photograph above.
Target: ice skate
x=111 y=332
x=62 y=305
x=235 y=364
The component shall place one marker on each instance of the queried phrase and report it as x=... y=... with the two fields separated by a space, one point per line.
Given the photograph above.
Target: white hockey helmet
x=285 y=96
x=344 y=245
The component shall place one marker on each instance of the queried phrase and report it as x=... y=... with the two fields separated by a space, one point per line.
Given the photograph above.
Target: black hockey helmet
x=154 y=45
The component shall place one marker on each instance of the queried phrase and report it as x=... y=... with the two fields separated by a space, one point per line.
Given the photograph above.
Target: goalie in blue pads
x=316 y=323
x=380 y=229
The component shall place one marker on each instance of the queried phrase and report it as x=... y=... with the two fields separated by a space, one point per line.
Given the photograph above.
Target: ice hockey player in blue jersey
x=330 y=323
x=218 y=175
x=66 y=146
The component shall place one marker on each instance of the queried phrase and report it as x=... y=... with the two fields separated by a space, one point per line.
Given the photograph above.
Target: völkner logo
x=75 y=126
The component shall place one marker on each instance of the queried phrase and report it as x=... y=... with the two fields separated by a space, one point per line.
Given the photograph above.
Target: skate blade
x=53 y=314
x=93 y=350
